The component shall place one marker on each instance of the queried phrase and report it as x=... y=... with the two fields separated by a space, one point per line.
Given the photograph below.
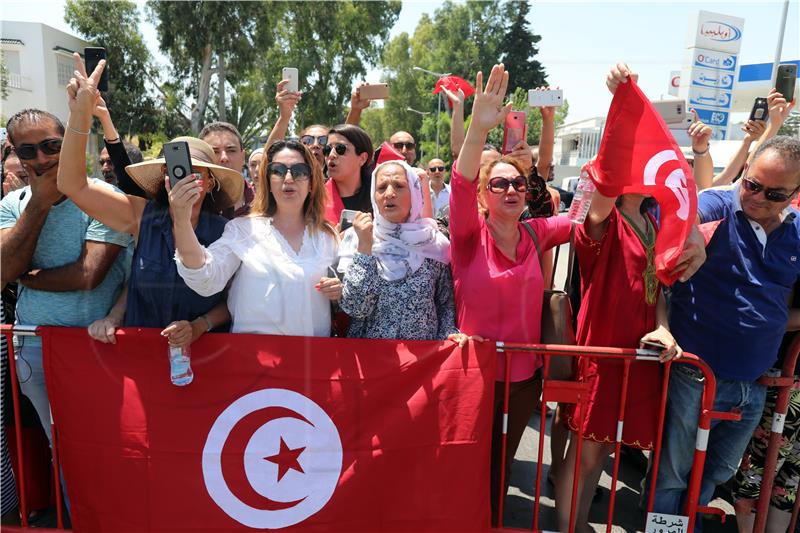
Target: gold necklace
x=648 y=240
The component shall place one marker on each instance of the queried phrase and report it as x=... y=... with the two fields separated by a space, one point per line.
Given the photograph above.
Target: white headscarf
x=401 y=248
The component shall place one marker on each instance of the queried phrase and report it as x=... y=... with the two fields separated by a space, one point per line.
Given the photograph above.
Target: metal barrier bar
x=618 y=446
x=656 y=456
x=775 y=436
x=504 y=446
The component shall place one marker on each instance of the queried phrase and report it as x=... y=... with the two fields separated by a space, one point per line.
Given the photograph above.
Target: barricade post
x=784 y=383
x=628 y=356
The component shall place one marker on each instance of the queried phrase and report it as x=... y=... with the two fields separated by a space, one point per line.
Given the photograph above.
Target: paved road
x=627 y=516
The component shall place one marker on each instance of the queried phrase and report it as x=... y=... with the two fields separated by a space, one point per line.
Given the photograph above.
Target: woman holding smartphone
x=348 y=156
x=498 y=280
x=397 y=257
x=277 y=259
x=156 y=296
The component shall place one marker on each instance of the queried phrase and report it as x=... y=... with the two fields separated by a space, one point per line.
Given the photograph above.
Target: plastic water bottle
x=582 y=200
x=180 y=367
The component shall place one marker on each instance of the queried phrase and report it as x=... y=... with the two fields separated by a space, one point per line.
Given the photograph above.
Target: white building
x=39 y=63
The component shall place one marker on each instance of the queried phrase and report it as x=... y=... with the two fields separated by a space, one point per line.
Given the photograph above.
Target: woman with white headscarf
x=397 y=282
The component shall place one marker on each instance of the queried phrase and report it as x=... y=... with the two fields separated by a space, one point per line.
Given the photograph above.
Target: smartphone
x=92 y=56
x=672 y=111
x=549 y=98
x=760 y=110
x=179 y=161
x=515 y=130
x=653 y=345
x=346 y=219
x=784 y=82
x=291 y=74
x=374 y=91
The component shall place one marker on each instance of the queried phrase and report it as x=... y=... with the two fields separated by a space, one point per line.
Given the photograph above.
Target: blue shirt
x=157 y=295
x=60 y=243
x=733 y=312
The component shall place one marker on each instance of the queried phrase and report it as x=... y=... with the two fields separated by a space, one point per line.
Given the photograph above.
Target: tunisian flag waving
x=274 y=432
x=639 y=155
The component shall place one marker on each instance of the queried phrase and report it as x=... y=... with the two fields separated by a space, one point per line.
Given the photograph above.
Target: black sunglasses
x=340 y=148
x=407 y=146
x=300 y=171
x=772 y=195
x=500 y=185
x=29 y=151
x=308 y=140
x=437 y=169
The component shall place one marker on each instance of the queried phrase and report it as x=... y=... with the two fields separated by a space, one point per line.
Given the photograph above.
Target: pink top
x=497 y=298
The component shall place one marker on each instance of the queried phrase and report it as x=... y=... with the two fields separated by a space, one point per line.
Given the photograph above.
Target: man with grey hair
x=732 y=313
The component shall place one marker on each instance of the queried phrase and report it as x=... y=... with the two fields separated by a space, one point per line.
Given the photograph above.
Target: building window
x=11 y=60
x=65 y=67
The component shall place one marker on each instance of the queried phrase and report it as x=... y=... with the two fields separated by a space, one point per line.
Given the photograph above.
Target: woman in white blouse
x=278 y=257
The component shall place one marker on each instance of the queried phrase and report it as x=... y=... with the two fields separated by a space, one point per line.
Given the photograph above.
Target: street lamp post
x=422 y=114
x=439 y=113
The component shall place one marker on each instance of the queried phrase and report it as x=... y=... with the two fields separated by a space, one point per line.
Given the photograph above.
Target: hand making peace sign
x=82 y=91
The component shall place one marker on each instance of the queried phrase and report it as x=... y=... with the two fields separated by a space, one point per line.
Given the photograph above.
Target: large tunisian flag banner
x=274 y=432
x=638 y=154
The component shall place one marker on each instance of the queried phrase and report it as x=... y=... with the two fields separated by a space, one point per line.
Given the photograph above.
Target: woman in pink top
x=496 y=272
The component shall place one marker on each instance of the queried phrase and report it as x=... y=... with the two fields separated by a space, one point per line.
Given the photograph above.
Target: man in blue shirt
x=732 y=313
x=70 y=267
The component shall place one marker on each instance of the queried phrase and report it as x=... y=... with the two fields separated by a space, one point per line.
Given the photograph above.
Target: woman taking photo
x=156 y=297
x=397 y=257
x=498 y=280
x=278 y=257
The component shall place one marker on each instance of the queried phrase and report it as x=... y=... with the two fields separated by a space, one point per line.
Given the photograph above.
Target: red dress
x=614 y=313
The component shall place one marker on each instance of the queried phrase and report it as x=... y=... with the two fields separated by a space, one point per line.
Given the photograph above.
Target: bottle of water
x=582 y=200
x=180 y=367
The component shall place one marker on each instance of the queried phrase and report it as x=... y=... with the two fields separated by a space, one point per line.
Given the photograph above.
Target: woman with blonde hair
x=278 y=257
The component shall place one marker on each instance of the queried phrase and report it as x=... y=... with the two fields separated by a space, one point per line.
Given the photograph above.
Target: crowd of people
x=426 y=258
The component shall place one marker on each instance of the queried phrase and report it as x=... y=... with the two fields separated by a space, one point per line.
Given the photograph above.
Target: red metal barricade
x=574 y=392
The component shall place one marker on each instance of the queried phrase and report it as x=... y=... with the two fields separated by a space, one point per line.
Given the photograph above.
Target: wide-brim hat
x=230 y=184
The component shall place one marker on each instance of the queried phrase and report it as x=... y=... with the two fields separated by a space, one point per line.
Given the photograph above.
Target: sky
x=580 y=40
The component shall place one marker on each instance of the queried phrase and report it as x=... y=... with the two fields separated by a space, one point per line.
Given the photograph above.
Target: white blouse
x=273 y=287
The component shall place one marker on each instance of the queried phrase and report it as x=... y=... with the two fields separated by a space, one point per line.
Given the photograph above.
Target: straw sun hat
x=230 y=184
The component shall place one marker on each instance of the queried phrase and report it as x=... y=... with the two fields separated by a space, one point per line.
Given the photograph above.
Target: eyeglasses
x=407 y=146
x=104 y=161
x=751 y=185
x=437 y=169
x=29 y=151
x=300 y=171
x=340 y=148
x=308 y=140
x=500 y=185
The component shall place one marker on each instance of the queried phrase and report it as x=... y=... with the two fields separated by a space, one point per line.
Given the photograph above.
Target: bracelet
x=111 y=141
x=696 y=153
x=209 y=327
x=79 y=132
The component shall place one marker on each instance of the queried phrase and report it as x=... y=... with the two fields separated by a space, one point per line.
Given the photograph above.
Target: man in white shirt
x=440 y=191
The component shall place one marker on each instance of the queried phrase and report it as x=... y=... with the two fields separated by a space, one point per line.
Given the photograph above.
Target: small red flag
x=639 y=155
x=316 y=434
x=453 y=84
x=388 y=153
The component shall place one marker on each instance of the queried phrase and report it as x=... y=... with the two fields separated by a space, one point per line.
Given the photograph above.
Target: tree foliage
x=115 y=27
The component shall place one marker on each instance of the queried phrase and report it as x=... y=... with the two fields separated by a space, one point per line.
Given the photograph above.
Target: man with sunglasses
x=70 y=267
x=440 y=191
x=733 y=313
x=403 y=142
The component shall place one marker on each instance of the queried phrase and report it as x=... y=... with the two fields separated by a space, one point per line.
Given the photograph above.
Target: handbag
x=556 y=325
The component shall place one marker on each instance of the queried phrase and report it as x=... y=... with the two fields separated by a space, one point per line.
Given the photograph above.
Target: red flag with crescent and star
x=639 y=155
x=312 y=434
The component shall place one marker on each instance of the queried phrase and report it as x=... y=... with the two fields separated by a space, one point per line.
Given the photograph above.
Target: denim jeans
x=726 y=442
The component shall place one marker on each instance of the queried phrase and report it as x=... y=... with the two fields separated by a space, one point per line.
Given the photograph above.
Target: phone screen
x=346 y=219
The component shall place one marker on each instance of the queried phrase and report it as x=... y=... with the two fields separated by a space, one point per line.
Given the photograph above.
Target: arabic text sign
x=666 y=523
x=716 y=31
x=710 y=98
x=712 y=79
x=712 y=117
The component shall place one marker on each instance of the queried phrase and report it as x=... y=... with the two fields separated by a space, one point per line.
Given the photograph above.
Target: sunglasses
x=300 y=171
x=308 y=140
x=29 y=151
x=407 y=146
x=340 y=148
x=750 y=185
x=104 y=161
x=437 y=169
x=500 y=185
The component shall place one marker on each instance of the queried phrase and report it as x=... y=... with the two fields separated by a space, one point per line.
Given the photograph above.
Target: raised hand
x=456 y=98
x=488 y=110
x=101 y=109
x=184 y=195
x=619 y=73
x=356 y=102
x=700 y=133
x=548 y=112
x=82 y=92
x=779 y=109
x=286 y=100
x=753 y=130
x=362 y=225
